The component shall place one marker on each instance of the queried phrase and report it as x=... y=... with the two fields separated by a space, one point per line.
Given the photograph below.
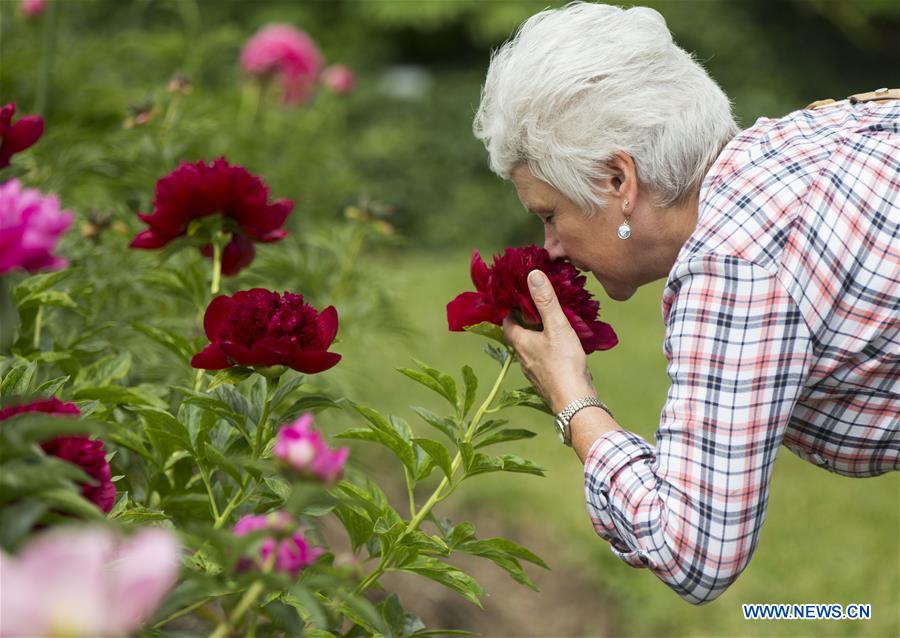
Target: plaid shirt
x=782 y=316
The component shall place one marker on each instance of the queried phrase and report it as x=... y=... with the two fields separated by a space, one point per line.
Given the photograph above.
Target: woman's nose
x=552 y=245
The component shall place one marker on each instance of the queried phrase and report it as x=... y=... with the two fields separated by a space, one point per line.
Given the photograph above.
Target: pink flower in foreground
x=339 y=79
x=202 y=189
x=259 y=327
x=19 y=136
x=285 y=52
x=503 y=288
x=86 y=453
x=291 y=549
x=305 y=451
x=86 y=581
x=30 y=227
x=33 y=8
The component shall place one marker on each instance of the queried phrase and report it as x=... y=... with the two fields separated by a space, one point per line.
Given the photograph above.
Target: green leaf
x=462 y=533
x=358 y=526
x=17 y=381
x=17 y=520
x=40 y=282
x=435 y=380
x=279 y=486
x=389 y=436
x=117 y=395
x=447 y=575
x=505 y=435
x=471 y=382
x=48 y=298
x=162 y=420
x=524 y=397
x=489 y=330
x=170 y=340
x=9 y=317
x=489 y=426
x=51 y=387
x=500 y=546
x=438 y=453
x=139 y=515
x=307 y=605
x=71 y=502
x=285 y=388
x=445 y=425
x=499 y=355
x=468 y=454
x=104 y=371
x=513 y=463
x=231 y=376
x=222 y=462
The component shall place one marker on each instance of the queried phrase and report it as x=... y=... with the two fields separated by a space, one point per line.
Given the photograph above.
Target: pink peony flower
x=33 y=8
x=86 y=453
x=291 y=549
x=285 y=52
x=503 y=288
x=19 y=136
x=30 y=227
x=304 y=450
x=86 y=581
x=339 y=79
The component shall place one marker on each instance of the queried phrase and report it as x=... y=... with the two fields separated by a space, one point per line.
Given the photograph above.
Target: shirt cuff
x=610 y=462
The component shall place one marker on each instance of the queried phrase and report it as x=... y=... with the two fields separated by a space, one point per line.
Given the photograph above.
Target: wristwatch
x=565 y=416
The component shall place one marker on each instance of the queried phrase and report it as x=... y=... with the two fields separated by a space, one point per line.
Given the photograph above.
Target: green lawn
x=826 y=539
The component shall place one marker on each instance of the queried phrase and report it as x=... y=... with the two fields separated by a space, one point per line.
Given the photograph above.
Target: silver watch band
x=564 y=418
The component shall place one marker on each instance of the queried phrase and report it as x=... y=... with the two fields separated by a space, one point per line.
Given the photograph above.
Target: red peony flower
x=503 y=288
x=200 y=189
x=259 y=327
x=19 y=136
x=86 y=453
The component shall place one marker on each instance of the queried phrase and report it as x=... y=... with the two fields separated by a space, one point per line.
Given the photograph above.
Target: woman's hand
x=553 y=359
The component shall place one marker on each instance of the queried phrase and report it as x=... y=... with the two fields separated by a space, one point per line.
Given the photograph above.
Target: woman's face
x=590 y=243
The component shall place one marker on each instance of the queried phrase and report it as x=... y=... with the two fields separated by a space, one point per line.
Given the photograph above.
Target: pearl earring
x=624 y=231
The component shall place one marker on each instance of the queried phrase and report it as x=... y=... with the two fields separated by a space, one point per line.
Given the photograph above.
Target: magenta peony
x=86 y=453
x=86 y=581
x=30 y=227
x=200 y=189
x=304 y=450
x=338 y=79
x=503 y=288
x=33 y=8
x=287 y=53
x=19 y=136
x=259 y=327
x=291 y=550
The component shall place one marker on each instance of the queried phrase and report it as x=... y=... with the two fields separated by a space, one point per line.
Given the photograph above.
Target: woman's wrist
x=588 y=425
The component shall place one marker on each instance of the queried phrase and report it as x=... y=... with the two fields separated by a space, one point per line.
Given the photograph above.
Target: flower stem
x=47 y=54
x=249 y=598
x=440 y=494
x=212 y=499
x=38 y=323
x=217 y=265
x=181 y=612
x=271 y=385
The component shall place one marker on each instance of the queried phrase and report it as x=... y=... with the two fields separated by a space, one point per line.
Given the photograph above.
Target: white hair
x=577 y=84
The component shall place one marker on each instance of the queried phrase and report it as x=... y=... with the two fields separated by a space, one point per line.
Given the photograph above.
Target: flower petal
x=327 y=323
x=215 y=321
x=470 y=308
x=481 y=276
x=313 y=361
x=210 y=358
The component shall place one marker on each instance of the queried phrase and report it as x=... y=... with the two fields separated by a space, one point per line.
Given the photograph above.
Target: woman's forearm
x=588 y=425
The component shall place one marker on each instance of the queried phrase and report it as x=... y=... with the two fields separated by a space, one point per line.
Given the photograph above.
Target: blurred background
x=393 y=193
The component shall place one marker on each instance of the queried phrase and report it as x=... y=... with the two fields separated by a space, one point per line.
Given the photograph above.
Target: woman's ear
x=621 y=182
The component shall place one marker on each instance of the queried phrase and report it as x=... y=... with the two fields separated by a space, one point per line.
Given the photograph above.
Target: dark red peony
x=86 y=453
x=259 y=327
x=503 y=288
x=202 y=189
x=19 y=136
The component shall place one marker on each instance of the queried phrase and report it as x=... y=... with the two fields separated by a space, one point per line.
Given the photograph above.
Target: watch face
x=560 y=430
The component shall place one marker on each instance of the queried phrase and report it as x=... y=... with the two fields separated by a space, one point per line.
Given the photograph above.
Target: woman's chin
x=617 y=291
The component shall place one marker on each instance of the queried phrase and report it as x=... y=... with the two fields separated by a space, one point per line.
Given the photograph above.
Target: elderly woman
x=781 y=248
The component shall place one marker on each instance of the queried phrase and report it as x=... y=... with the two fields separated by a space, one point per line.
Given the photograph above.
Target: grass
x=826 y=538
